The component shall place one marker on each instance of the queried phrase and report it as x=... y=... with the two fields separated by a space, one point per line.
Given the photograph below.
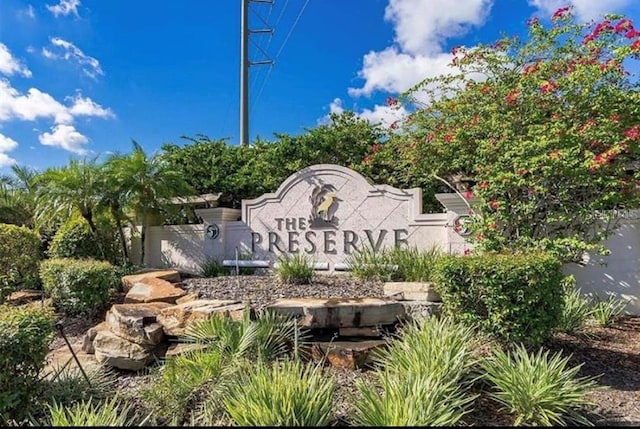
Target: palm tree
x=17 y=196
x=145 y=181
x=61 y=191
x=114 y=199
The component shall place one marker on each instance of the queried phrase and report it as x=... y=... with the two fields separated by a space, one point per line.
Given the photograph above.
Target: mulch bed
x=612 y=353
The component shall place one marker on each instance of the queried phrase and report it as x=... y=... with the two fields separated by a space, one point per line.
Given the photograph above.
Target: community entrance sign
x=328 y=212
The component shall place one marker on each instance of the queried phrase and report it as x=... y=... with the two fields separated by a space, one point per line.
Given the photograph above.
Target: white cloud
x=29 y=12
x=87 y=107
x=68 y=51
x=35 y=104
x=421 y=26
x=9 y=65
x=336 y=106
x=6 y=160
x=65 y=137
x=395 y=72
x=385 y=115
x=64 y=8
x=7 y=144
x=584 y=10
x=421 y=29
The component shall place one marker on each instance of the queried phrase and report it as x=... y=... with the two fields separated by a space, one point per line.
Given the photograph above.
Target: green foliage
x=243 y=172
x=269 y=337
x=423 y=375
x=575 y=309
x=74 y=239
x=416 y=400
x=394 y=264
x=605 y=312
x=296 y=269
x=213 y=268
x=549 y=135
x=514 y=298
x=436 y=347
x=182 y=380
x=25 y=334
x=19 y=258
x=67 y=385
x=79 y=286
x=286 y=393
x=93 y=413
x=536 y=388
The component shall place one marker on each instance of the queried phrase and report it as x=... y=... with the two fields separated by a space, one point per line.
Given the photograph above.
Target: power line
x=291 y=30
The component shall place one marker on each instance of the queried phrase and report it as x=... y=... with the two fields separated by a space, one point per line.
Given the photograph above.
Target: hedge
x=78 y=286
x=515 y=298
x=25 y=334
x=19 y=259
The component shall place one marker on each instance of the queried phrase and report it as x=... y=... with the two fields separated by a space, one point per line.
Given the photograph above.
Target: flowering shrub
x=546 y=127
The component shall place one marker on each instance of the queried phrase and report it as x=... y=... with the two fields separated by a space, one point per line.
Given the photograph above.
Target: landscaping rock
x=176 y=319
x=137 y=322
x=151 y=289
x=129 y=281
x=416 y=309
x=112 y=350
x=61 y=360
x=340 y=312
x=188 y=297
x=346 y=354
x=87 y=340
x=411 y=291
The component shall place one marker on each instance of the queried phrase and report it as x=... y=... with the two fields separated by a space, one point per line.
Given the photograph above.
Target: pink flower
x=560 y=12
x=531 y=68
x=467 y=252
x=549 y=86
x=494 y=204
x=623 y=25
x=392 y=101
x=468 y=195
x=448 y=138
x=533 y=21
x=376 y=147
x=635 y=46
x=512 y=96
x=631 y=34
x=633 y=133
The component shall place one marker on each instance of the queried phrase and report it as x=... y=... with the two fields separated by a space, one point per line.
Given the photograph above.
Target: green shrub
x=416 y=400
x=93 y=413
x=78 y=285
x=296 y=269
x=536 y=388
x=394 y=264
x=437 y=347
x=605 y=312
x=212 y=268
x=25 y=334
x=180 y=382
x=575 y=308
x=67 y=385
x=269 y=337
x=287 y=393
x=413 y=265
x=74 y=239
x=19 y=259
x=368 y=265
x=514 y=298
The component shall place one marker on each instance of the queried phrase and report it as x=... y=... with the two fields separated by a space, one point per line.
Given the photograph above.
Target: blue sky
x=85 y=77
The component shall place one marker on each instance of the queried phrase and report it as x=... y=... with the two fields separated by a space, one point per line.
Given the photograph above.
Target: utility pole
x=244 y=67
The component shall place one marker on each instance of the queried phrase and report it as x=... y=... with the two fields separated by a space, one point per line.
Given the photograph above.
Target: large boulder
x=176 y=319
x=137 y=322
x=340 y=312
x=90 y=335
x=151 y=289
x=115 y=351
x=129 y=281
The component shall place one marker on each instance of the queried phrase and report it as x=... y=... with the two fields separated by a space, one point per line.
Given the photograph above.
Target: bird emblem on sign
x=324 y=204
